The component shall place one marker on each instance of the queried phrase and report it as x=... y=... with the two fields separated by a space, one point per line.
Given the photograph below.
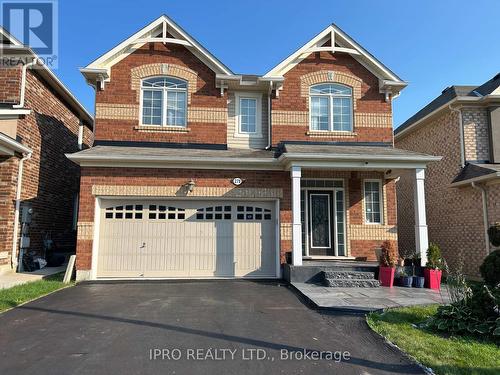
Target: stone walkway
x=369 y=299
x=10 y=279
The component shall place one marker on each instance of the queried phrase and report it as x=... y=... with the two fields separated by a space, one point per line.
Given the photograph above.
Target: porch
x=347 y=219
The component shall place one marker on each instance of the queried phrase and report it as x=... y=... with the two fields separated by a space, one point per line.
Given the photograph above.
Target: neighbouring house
x=40 y=121
x=463 y=189
x=200 y=172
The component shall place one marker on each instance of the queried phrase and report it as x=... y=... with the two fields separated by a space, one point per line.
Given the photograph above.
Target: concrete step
x=352 y=283
x=354 y=275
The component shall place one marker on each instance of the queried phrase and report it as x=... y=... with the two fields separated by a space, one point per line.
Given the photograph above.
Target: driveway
x=207 y=327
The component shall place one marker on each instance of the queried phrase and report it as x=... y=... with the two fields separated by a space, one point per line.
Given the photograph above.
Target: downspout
x=269 y=127
x=461 y=132
x=23 y=83
x=485 y=214
x=17 y=209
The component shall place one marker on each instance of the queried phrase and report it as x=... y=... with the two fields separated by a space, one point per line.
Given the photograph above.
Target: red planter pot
x=386 y=276
x=432 y=278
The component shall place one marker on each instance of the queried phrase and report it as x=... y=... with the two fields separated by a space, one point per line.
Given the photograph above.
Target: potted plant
x=405 y=279
x=388 y=259
x=418 y=281
x=433 y=268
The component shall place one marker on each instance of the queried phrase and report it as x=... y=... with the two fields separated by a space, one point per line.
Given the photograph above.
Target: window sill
x=322 y=133
x=162 y=129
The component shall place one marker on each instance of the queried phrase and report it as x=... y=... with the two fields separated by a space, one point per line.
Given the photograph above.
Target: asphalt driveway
x=204 y=327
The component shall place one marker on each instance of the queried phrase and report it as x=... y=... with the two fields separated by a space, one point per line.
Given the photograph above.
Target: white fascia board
x=281 y=68
x=14 y=112
x=355 y=165
x=362 y=56
x=7 y=143
x=365 y=158
x=117 y=53
x=486 y=177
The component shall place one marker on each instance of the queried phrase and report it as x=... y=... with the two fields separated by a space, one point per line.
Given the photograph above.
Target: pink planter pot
x=386 y=276
x=432 y=278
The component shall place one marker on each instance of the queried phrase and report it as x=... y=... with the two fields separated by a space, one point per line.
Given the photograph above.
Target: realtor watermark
x=34 y=23
x=248 y=354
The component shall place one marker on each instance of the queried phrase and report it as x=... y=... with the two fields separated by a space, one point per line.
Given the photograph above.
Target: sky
x=431 y=44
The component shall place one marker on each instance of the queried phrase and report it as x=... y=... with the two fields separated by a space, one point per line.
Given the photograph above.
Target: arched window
x=330 y=107
x=164 y=101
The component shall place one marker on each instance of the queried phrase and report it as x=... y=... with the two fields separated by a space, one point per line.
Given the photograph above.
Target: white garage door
x=187 y=239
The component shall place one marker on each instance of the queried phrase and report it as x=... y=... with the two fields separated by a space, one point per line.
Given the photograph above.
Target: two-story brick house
x=40 y=121
x=463 y=189
x=200 y=172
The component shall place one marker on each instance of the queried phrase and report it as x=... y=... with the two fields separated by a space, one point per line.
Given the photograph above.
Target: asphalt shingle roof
x=447 y=95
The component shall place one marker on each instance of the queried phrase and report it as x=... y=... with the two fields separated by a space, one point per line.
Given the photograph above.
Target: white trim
x=295 y=174
x=421 y=231
x=381 y=201
x=257 y=96
x=163 y=90
x=330 y=108
x=9 y=146
x=311 y=244
x=95 y=239
x=120 y=51
x=97 y=223
x=15 y=112
x=346 y=43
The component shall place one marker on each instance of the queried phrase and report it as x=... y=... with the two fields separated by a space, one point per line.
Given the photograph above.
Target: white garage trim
x=134 y=200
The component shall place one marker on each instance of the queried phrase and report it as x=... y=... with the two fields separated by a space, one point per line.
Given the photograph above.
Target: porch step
x=349 y=275
x=349 y=279
x=352 y=283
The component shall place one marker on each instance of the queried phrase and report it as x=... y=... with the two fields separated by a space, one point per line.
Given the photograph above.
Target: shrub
x=490 y=269
x=389 y=256
x=494 y=234
x=434 y=258
x=474 y=310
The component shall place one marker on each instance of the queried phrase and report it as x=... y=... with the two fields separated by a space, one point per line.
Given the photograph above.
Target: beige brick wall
x=454 y=216
x=476 y=138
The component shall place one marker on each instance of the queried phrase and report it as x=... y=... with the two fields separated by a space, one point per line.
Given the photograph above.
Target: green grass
x=445 y=355
x=12 y=297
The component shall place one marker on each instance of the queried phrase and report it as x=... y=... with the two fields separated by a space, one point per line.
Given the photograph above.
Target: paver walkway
x=369 y=299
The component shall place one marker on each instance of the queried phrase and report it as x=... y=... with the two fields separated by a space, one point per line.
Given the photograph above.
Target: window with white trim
x=164 y=101
x=373 y=201
x=249 y=114
x=330 y=107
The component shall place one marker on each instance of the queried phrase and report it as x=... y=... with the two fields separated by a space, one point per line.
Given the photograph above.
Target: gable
x=162 y=30
x=334 y=40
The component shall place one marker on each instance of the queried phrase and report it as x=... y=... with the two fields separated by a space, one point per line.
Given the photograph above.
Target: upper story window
x=164 y=101
x=330 y=107
x=248 y=109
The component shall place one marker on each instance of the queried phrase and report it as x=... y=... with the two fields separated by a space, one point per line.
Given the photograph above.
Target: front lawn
x=444 y=355
x=11 y=297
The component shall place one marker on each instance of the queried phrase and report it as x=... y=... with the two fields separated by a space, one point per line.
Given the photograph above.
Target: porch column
x=296 y=173
x=421 y=237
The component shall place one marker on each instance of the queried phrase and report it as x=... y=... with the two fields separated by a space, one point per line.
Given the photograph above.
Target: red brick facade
x=121 y=101
x=119 y=91
x=359 y=247
x=50 y=181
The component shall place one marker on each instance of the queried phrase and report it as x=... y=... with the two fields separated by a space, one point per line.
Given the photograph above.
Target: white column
x=296 y=224
x=421 y=236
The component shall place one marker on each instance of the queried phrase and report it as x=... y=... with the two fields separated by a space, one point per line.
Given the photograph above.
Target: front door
x=320 y=223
